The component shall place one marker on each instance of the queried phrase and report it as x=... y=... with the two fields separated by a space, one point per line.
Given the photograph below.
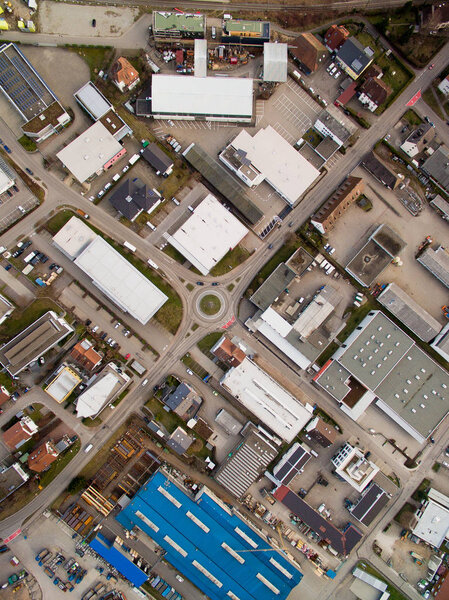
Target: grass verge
x=208 y=341
x=19 y=320
x=27 y=143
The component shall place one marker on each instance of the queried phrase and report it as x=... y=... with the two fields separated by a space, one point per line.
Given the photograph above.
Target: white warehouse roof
x=120 y=281
x=89 y=152
x=267 y=399
x=74 y=237
x=93 y=100
x=275 y=62
x=208 y=234
x=91 y=401
x=63 y=384
x=218 y=96
x=283 y=167
x=200 y=58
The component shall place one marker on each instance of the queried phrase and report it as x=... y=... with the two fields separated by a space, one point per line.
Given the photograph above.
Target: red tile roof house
x=21 y=432
x=124 y=75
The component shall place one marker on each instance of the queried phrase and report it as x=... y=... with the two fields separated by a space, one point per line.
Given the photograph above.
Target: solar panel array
x=21 y=85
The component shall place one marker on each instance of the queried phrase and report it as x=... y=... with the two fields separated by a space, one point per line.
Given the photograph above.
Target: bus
x=130 y=247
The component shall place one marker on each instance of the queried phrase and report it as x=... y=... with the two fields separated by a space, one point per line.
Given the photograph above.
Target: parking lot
x=15 y=203
x=355 y=225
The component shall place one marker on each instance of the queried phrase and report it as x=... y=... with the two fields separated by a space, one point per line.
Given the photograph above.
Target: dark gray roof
x=179 y=441
x=379 y=170
x=291 y=464
x=157 y=158
x=353 y=55
x=176 y=397
x=131 y=197
x=372 y=501
x=437 y=166
x=331 y=123
x=342 y=542
x=270 y=289
x=327 y=148
x=222 y=181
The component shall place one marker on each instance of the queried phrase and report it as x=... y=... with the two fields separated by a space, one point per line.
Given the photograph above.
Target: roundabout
x=210 y=305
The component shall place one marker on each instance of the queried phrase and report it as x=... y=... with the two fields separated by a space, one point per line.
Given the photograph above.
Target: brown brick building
x=325 y=217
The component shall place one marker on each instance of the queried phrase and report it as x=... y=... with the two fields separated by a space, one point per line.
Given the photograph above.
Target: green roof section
x=245 y=26
x=187 y=22
x=223 y=182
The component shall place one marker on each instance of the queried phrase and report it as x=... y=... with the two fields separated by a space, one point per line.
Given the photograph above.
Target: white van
x=151 y=226
x=88 y=448
x=214 y=33
x=144 y=382
x=175 y=201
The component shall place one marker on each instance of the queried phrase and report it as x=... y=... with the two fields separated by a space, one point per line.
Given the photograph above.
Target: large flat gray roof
x=409 y=312
x=274 y=285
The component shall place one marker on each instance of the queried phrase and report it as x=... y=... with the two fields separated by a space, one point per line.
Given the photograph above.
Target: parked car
x=29 y=171
x=199 y=283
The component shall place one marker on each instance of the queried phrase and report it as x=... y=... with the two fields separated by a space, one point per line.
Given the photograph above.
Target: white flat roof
x=74 y=237
x=63 y=384
x=219 y=96
x=120 y=281
x=208 y=234
x=266 y=399
x=93 y=100
x=200 y=58
x=433 y=526
x=91 y=401
x=283 y=167
x=89 y=152
x=274 y=62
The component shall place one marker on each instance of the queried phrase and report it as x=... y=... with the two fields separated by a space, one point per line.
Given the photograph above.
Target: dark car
x=34 y=260
x=26 y=245
x=270 y=246
x=52 y=266
x=29 y=171
x=147 y=420
x=199 y=283
x=8 y=150
x=17 y=253
x=215 y=283
x=94 y=22
x=88 y=322
x=15 y=188
x=8 y=267
x=44 y=259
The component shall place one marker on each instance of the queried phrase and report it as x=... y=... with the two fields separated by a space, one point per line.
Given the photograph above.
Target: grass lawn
x=395 y=594
x=412 y=118
x=59 y=464
x=27 y=143
x=175 y=254
x=430 y=99
x=208 y=341
x=19 y=320
x=357 y=315
x=230 y=287
x=194 y=366
x=232 y=259
x=168 y=419
x=210 y=304
x=97 y=57
x=170 y=315
x=5 y=381
x=190 y=287
x=324 y=357
x=281 y=255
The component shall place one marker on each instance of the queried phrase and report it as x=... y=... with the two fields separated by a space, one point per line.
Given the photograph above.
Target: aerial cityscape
x=224 y=300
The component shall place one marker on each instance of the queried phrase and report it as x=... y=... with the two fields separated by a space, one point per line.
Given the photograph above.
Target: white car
x=337 y=74
x=126 y=168
x=189 y=371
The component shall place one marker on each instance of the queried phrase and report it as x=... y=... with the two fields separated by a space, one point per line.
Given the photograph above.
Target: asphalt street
x=58 y=195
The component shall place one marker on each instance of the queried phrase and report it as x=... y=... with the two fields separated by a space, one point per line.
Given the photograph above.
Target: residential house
x=133 y=197
x=352 y=58
x=85 y=354
x=228 y=352
x=418 y=139
x=373 y=93
x=42 y=457
x=19 y=433
x=124 y=75
x=335 y=37
x=156 y=158
x=308 y=52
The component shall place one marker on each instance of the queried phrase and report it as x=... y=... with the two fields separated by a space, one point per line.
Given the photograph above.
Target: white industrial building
x=73 y=238
x=7 y=176
x=352 y=466
x=266 y=399
x=91 y=153
x=111 y=272
x=275 y=62
x=200 y=58
x=269 y=157
x=92 y=100
x=432 y=518
x=209 y=98
x=208 y=234
x=103 y=390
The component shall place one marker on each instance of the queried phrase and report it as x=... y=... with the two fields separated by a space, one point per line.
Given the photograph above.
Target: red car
x=431 y=66
x=127 y=356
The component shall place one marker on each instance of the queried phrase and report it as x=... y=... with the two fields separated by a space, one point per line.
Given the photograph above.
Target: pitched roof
x=352 y=54
x=157 y=158
x=308 y=50
x=123 y=72
x=41 y=457
x=131 y=197
x=19 y=433
x=376 y=90
x=336 y=36
x=84 y=353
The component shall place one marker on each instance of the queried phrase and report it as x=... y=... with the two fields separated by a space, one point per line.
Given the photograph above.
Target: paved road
x=58 y=193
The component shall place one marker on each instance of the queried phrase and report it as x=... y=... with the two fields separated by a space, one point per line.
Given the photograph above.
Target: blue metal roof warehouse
x=117 y=559
x=204 y=540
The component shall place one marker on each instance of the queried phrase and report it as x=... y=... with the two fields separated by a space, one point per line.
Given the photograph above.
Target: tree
x=77 y=484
